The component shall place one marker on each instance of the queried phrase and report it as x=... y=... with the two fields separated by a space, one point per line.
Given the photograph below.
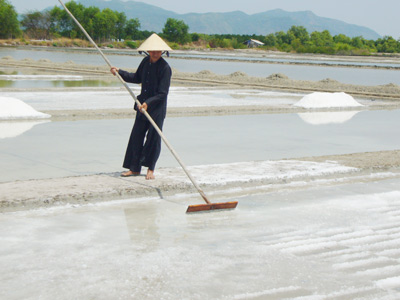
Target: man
x=154 y=74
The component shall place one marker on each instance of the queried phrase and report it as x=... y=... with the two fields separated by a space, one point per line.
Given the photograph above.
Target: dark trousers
x=141 y=152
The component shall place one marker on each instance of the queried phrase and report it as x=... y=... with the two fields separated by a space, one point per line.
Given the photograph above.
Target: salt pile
x=327 y=100
x=13 y=108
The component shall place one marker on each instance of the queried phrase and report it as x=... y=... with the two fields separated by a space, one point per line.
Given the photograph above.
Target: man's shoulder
x=163 y=62
x=145 y=59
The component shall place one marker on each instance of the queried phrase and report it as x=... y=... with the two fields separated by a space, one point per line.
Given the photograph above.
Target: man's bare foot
x=150 y=174
x=130 y=173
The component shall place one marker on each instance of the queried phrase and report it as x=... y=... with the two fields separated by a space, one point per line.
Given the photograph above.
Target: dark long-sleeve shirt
x=155 y=79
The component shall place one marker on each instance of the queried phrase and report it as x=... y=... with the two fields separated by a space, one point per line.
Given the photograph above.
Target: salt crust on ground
x=13 y=108
x=258 y=170
x=221 y=177
x=327 y=100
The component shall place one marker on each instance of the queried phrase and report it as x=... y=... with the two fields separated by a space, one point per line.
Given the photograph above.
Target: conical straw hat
x=154 y=43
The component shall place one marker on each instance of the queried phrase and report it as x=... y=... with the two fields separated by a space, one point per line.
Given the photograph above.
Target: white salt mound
x=326 y=100
x=13 y=108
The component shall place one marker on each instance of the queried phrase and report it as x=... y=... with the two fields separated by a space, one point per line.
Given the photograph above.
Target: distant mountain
x=153 y=18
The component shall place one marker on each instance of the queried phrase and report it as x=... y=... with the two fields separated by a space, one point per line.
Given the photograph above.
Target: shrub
x=238 y=45
x=361 y=52
x=195 y=37
x=174 y=46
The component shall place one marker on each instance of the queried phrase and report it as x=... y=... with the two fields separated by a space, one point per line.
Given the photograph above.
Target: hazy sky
x=379 y=15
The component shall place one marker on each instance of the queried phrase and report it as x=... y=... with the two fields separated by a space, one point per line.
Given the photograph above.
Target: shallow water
x=323 y=243
x=114 y=98
x=270 y=58
x=58 y=149
x=315 y=73
x=30 y=84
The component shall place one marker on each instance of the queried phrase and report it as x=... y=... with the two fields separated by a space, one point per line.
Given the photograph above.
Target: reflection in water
x=14 y=129
x=40 y=77
x=84 y=83
x=56 y=83
x=323 y=118
x=6 y=83
x=142 y=226
x=7 y=73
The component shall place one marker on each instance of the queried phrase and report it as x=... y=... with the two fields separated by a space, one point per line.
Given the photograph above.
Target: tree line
x=107 y=25
x=297 y=39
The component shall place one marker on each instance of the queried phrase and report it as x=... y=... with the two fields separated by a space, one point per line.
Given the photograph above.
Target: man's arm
x=128 y=76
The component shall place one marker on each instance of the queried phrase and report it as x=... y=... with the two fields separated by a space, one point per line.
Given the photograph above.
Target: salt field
x=321 y=243
x=112 y=98
x=315 y=174
x=63 y=148
x=70 y=148
x=353 y=75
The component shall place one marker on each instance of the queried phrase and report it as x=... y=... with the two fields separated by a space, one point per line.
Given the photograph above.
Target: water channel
x=349 y=75
x=57 y=149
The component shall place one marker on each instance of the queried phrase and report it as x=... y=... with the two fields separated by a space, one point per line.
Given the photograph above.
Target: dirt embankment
x=21 y=195
x=237 y=79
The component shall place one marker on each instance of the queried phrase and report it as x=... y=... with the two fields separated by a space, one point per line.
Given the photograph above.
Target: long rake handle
x=143 y=111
